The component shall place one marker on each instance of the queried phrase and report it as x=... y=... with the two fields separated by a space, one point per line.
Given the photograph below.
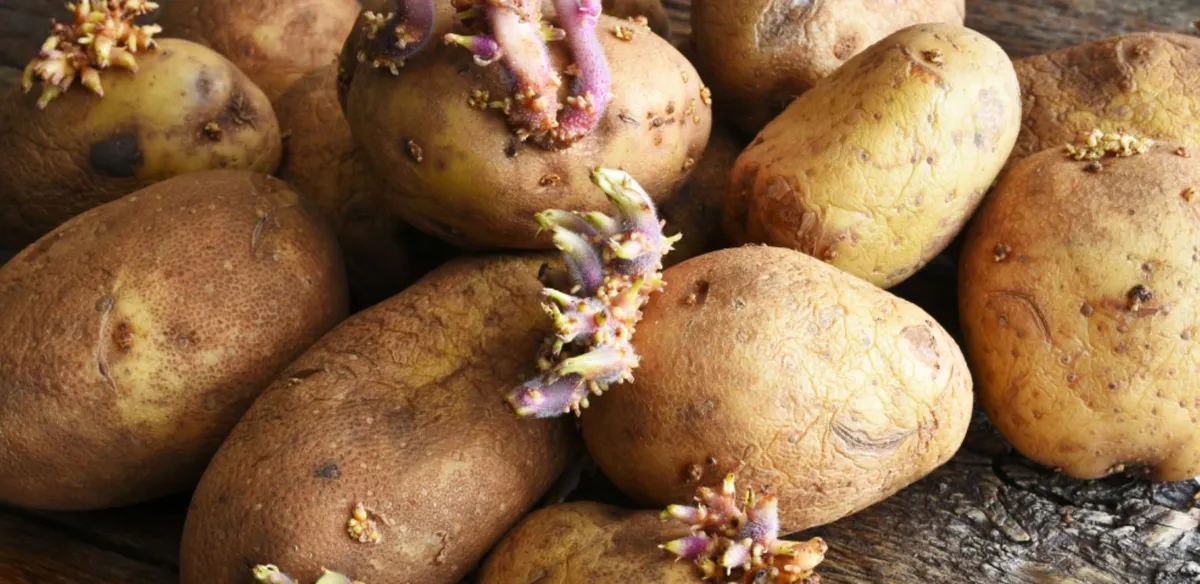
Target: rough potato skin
x=696 y=210
x=400 y=408
x=475 y=184
x=1070 y=368
x=274 y=43
x=660 y=21
x=84 y=150
x=760 y=54
x=1147 y=84
x=879 y=167
x=135 y=335
x=792 y=374
x=588 y=543
x=383 y=254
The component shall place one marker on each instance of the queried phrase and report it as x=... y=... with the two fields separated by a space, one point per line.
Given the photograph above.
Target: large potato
x=135 y=335
x=879 y=167
x=696 y=210
x=186 y=109
x=1148 y=84
x=588 y=543
x=464 y=175
x=797 y=376
x=760 y=54
x=383 y=253
x=275 y=44
x=399 y=408
x=1078 y=298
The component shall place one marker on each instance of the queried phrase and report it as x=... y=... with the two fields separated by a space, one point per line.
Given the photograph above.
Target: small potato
x=696 y=210
x=135 y=335
x=438 y=132
x=879 y=167
x=383 y=254
x=186 y=109
x=651 y=10
x=274 y=44
x=758 y=55
x=588 y=543
x=1079 y=288
x=399 y=409
x=766 y=362
x=1146 y=83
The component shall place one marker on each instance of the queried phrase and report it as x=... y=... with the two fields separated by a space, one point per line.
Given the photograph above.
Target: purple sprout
x=398 y=35
x=613 y=265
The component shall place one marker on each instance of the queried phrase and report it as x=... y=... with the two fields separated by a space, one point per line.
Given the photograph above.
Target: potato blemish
x=101 y=35
x=119 y=156
x=741 y=544
x=361 y=527
x=614 y=264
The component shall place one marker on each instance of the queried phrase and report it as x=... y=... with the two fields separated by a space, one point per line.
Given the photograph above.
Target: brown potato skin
x=878 y=168
x=383 y=254
x=84 y=150
x=759 y=54
x=1147 y=84
x=134 y=336
x=275 y=44
x=660 y=21
x=696 y=210
x=792 y=374
x=400 y=407
x=588 y=543
x=1067 y=370
x=477 y=186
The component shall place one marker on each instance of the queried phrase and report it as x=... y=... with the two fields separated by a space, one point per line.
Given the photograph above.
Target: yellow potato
x=1079 y=287
x=879 y=167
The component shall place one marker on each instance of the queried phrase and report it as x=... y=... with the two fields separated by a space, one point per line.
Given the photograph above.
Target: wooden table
x=989 y=516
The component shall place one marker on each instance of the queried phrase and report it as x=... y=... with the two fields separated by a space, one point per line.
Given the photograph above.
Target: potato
x=1078 y=286
x=275 y=44
x=879 y=167
x=186 y=109
x=134 y=336
x=383 y=254
x=588 y=543
x=790 y=372
x=760 y=54
x=400 y=408
x=696 y=210
x=652 y=10
x=464 y=175
x=1145 y=83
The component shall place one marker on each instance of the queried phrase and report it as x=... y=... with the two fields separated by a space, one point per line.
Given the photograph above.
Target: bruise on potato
x=383 y=254
x=695 y=211
x=879 y=167
x=406 y=399
x=1145 y=83
x=1078 y=302
x=83 y=150
x=478 y=185
x=134 y=335
x=652 y=10
x=760 y=54
x=805 y=381
x=587 y=543
x=275 y=44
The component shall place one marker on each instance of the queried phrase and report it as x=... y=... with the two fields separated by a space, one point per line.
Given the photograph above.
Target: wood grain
x=987 y=517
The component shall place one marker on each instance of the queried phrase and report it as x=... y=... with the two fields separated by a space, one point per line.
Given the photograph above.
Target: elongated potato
x=135 y=335
x=794 y=374
x=383 y=254
x=1145 y=83
x=186 y=109
x=1079 y=287
x=401 y=409
x=878 y=168
x=760 y=54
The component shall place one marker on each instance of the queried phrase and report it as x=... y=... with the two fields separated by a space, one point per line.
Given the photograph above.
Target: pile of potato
x=380 y=282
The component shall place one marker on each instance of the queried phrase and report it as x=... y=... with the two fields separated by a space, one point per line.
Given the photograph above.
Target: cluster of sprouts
x=270 y=574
